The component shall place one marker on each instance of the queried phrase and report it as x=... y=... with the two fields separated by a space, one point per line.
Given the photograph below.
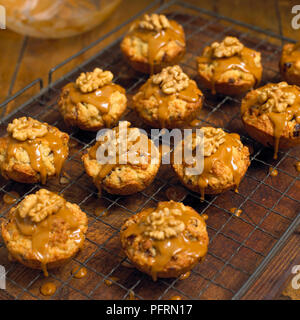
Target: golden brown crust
x=139 y=45
x=143 y=238
x=165 y=107
x=289 y=64
x=123 y=179
x=18 y=165
x=93 y=102
x=61 y=246
x=260 y=123
x=229 y=68
x=219 y=174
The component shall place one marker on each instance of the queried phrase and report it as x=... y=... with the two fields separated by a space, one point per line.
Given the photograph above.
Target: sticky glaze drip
x=40 y=233
x=99 y=98
x=176 y=298
x=273 y=172
x=34 y=151
x=191 y=95
x=158 y=40
x=297 y=166
x=79 y=272
x=224 y=154
x=167 y=249
x=48 y=289
x=279 y=120
x=185 y=275
x=237 y=212
x=11 y=198
x=244 y=61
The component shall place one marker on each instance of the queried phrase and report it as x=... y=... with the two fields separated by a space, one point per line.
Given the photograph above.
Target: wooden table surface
x=24 y=59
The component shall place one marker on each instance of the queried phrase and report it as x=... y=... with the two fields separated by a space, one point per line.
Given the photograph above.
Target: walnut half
x=25 y=128
x=40 y=205
x=163 y=224
x=227 y=48
x=91 y=81
x=274 y=99
x=155 y=22
x=171 y=80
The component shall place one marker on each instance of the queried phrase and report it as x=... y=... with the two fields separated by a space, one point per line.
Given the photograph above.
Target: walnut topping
x=162 y=224
x=171 y=79
x=91 y=81
x=26 y=128
x=274 y=99
x=155 y=22
x=227 y=48
x=40 y=205
x=213 y=138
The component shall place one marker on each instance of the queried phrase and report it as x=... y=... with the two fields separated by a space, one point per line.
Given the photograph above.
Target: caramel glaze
x=79 y=272
x=48 y=289
x=273 y=172
x=244 y=61
x=279 y=120
x=225 y=154
x=157 y=40
x=99 y=98
x=33 y=149
x=10 y=198
x=191 y=95
x=107 y=168
x=176 y=298
x=236 y=212
x=297 y=165
x=185 y=275
x=40 y=233
x=167 y=249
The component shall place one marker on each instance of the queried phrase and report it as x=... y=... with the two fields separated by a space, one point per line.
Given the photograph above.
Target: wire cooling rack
x=240 y=247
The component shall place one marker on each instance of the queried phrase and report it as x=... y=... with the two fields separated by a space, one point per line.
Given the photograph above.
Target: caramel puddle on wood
x=48 y=289
x=273 y=172
x=297 y=165
x=176 y=298
x=11 y=198
x=101 y=212
x=185 y=275
x=177 y=194
x=204 y=216
x=110 y=280
x=196 y=123
x=79 y=272
x=236 y=212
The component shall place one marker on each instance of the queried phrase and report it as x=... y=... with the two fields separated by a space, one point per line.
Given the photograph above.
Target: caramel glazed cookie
x=44 y=231
x=153 y=43
x=168 y=99
x=290 y=63
x=93 y=101
x=230 y=68
x=32 y=151
x=271 y=115
x=166 y=241
x=226 y=161
x=132 y=169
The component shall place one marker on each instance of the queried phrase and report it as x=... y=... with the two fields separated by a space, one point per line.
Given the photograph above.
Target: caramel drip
x=225 y=154
x=34 y=151
x=167 y=249
x=48 y=289
x=99 y=98
x=191 y=95
x=10 y=198
x=110 y=280
x=237 y=212
x=196 y=123
x=40 y=233
x=244 y=61
x=176 y=298
x=185 y=275
x=157 y=40
x=279 y=120
x=79 y=272
x=273 y=172
x=297 y=165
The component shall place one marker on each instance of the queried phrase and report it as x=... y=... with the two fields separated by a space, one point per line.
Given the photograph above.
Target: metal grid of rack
x=239 y=248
